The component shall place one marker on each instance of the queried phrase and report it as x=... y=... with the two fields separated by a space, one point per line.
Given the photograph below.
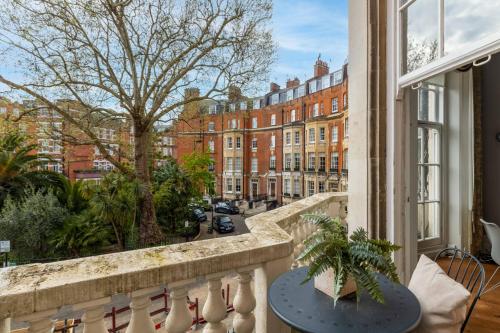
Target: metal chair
x=493 y=233
x=467 y=270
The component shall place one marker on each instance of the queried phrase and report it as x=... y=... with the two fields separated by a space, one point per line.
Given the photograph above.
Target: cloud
x=305 y=28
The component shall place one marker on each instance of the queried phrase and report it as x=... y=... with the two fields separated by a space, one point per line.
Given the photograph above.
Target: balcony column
x=179 y=319
x=215 y=310
x=93 y=318
x=140 y=320
x=5 y=325
x=244 y=303
x=266 y=321
x=39 y=322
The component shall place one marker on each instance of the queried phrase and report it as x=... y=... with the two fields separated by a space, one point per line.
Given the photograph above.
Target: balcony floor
x=486 y=315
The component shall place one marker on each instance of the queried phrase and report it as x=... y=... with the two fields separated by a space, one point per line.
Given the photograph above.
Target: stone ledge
x=41 y=287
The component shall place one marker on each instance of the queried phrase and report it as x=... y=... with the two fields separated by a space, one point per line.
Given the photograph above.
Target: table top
x=309 y=310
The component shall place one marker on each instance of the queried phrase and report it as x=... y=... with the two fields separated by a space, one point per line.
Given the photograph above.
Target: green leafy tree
x=18 y=167
x=174 y=192
x=137 y=55
x=30 y=222
x=81 y=234
x=114 y=202
x=196 y=165
x=71 y=194
x=356 y=256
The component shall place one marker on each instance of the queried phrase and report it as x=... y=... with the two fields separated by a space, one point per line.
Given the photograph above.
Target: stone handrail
x=34 y=293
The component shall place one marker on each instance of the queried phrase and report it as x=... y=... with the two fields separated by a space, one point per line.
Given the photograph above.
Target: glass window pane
x=428 y=145
x=469 y=21
x=429 y=183
x=420 y=26
x=431 y=103
x=428 y=220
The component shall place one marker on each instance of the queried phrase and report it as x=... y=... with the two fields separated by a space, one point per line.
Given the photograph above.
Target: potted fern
x=343 y=265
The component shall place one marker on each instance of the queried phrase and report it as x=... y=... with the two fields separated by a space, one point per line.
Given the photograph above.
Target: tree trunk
x=149 y=231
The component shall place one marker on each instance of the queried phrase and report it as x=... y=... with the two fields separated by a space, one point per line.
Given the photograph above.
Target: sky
x=303 y=29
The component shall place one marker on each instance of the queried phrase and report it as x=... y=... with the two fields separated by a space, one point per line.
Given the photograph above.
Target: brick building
x=66 y=147
x=290 y=143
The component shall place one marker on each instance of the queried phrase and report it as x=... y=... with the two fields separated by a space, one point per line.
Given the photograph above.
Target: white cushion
x=442 y=299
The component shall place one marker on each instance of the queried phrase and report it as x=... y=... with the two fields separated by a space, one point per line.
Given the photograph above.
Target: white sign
x=186 y=224
x=4 y=246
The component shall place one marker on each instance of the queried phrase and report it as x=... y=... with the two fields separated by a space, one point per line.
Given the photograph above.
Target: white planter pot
x=324 y=283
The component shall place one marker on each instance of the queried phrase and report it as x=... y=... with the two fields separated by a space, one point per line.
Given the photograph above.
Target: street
x=239 y=227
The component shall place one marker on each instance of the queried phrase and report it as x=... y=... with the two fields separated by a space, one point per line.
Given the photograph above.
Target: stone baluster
x=39 y=322
x=244 y=303
x=343 y=212
x=5 y=325
x=215 y=310
x=93 y=318
x=140 y=320
x=179 y=319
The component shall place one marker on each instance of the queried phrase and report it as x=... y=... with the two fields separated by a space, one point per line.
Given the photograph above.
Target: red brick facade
x=246 y=138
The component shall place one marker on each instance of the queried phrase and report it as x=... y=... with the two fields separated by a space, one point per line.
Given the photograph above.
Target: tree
x=30 y=222
x=81 y=234
x=133 y=60
x=18 y=167
x=173 y=194
x=196 y=165
x=114 y=202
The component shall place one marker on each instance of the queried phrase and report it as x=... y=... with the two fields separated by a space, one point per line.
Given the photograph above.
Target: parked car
x=198 y=214
x=223 y=224
x=226 y=207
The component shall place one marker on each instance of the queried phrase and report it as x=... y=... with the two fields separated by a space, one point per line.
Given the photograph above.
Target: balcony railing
x=35 y=293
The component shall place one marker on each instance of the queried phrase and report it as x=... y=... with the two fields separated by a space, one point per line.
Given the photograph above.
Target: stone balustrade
x=35 y=293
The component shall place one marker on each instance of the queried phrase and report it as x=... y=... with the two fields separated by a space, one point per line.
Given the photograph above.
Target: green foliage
x=29 y=223
x=81 y=235
x=356 y=256
x=71 y=195
x=114 y=202
x=195 y=165
x=18 y=167
x=172 y=196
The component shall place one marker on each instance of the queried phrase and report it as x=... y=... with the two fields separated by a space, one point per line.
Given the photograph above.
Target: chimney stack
x=191 y=92
x=320 y=68
x=274 y=87
x=293 y=83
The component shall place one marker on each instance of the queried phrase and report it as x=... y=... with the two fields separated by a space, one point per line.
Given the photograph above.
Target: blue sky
x=303 y=29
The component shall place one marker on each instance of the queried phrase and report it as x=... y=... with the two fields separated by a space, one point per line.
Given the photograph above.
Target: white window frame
x=335 y=134
x=312 y=135
x=315 y=110
x=297 y=137
x=237 y=185
x=254 y=123
x=238 y=142
x=229 y=143
x=273 y=120
x=272 y=162
x=288 y=138
x=254 y=144
x=335 y=105
x=273 y=141
x=292 y=115
x=255 y=164
x=322 y=132
x=444 y=63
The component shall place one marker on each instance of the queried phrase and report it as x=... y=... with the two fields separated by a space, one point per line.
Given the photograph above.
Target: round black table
x=308 y=310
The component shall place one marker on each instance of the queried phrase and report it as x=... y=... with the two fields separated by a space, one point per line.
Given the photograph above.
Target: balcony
x=35 y=293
